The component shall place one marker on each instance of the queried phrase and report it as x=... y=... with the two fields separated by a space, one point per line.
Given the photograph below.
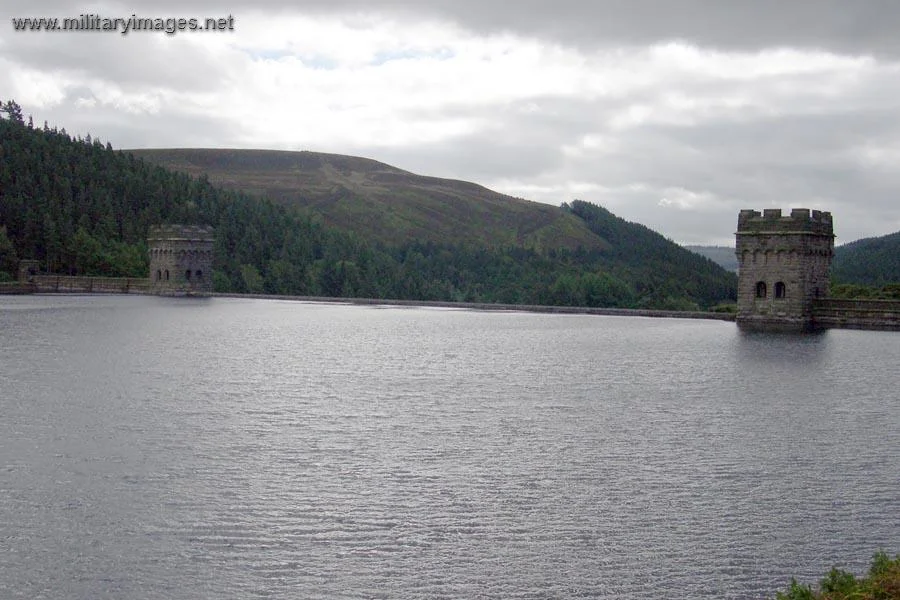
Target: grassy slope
x=383 y=202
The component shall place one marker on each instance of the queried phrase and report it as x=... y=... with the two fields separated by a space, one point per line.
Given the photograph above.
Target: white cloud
x=31 y=87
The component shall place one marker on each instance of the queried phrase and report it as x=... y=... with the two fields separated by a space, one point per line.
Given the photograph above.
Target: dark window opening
x=167 y=274
x=761 y=289
x=158 y=275
x=780 y=290
x=187 y=274
x=199 y=274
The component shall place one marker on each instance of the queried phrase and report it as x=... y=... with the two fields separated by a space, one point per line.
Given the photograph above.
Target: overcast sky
x=672 y=113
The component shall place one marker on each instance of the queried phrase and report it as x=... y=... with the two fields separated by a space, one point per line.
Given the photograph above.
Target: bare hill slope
x=382 y=202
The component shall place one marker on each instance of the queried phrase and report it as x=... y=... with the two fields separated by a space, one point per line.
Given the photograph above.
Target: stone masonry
x=181 y=260
x=784 y=264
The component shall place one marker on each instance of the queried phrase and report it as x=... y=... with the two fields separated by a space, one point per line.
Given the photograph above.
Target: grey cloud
x=164 y=129
x=141 y=61
x=856 y=28
x=474 y=158
x=777 y=162
x=519 y=140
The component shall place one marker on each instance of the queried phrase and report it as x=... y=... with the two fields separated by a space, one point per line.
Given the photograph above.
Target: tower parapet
x=181 y=259
x=800 y=220
x=784 y=263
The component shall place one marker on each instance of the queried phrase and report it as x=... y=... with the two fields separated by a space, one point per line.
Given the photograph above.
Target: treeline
x=80 y=207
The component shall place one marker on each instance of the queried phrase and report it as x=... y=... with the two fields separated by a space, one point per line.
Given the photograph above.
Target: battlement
x=200 y=233
x=801 y=220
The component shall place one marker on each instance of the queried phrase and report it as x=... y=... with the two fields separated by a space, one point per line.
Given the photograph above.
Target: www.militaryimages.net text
x=124 y=26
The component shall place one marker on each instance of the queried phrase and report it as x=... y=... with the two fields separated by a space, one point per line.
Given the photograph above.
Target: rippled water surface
x=179 y=448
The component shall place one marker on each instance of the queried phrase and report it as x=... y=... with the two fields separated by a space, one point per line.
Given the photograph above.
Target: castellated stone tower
x=784 y=263
x=181 y=259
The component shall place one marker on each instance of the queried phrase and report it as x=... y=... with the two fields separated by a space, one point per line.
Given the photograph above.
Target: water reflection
x=787 y=350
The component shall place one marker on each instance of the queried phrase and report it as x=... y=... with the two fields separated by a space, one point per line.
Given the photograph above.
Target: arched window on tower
x=760 y=289
x=780 y=290
x=187 y=274
x=167 y=274
x=158 y=275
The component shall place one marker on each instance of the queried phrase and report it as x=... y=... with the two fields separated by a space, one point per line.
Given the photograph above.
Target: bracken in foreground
x=882 y=583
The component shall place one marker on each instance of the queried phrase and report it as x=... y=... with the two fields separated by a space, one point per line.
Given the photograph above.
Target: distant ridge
x=721 y=255
x=385 y=203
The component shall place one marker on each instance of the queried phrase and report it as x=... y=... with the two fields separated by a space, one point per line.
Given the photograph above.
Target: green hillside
x=387 y=204
x=649 y=259
x=871 y=261
x=80 y=207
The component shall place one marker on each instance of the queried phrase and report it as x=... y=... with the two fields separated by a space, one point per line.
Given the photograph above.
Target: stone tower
x=181 y=259
x=783 y=266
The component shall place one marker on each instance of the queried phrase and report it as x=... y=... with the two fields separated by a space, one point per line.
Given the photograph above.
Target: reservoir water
x=231 y=448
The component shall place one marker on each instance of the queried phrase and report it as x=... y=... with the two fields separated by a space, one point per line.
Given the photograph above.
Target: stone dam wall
x=68 y=284
x=835 y=313
x=17 y=287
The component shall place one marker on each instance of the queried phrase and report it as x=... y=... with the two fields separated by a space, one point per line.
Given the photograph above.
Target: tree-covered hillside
x=662 y=271
x=872 y=261
x=80 y=207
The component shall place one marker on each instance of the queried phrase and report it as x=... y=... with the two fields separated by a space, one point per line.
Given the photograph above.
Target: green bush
x=796 y=592
x=853 y=291
x=882 y=583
